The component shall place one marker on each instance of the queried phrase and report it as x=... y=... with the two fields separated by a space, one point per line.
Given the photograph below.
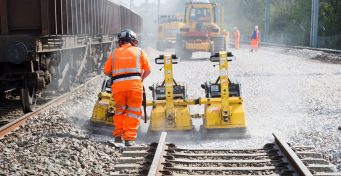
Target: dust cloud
x=149 y=10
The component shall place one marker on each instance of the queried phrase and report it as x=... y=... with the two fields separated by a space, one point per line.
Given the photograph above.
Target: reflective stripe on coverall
x=127 y=91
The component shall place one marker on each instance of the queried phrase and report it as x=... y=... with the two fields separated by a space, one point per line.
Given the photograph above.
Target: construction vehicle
x=171 y=108
x=169 y=26
x=200 y=30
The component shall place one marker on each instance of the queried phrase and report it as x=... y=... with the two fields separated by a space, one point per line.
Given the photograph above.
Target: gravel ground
x=51 y=143
x=287 y=92
x=9 y=110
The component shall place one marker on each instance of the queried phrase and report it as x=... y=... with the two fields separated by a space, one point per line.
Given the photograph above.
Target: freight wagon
x=52 y=43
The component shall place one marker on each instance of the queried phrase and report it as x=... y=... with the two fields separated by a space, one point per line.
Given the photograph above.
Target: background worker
x=236 y=38
x=255 y=39
x=128 y=66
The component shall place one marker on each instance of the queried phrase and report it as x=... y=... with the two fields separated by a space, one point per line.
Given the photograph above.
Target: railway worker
x=236 y=38
x=255 y=39
x=128 y=66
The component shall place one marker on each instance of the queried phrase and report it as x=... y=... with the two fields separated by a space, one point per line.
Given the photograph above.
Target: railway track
x=326 y=50
x=277 y=158
x=12 y=116
x=11 y=109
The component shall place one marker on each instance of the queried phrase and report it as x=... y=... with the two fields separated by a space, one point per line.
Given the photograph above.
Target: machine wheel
x=219 y=44
x=28 y=100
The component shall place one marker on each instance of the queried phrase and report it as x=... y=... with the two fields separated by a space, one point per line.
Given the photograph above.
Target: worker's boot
x=129 y=143
x=118 y=140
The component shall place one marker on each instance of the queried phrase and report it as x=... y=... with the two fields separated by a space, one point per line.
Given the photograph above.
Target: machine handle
x=160 y=59
x=215 y=57
x=144 y=104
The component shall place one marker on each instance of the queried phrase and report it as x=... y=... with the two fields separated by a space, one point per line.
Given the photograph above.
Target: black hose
x=144 y=104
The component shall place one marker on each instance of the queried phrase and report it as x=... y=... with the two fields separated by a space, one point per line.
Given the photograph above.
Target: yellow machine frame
x=220 y=113
x=174 y=114
x=104 y=109
x=166 y=115
x=224 y=112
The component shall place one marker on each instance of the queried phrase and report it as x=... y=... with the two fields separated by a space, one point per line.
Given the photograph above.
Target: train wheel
x=28 y=100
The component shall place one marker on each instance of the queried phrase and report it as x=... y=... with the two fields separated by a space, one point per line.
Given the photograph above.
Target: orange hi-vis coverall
x=255 y=39
x=126 y=65
x=236 y=39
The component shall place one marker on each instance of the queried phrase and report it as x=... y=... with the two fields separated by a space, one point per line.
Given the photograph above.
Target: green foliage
x=330 y=17
x=290 y=20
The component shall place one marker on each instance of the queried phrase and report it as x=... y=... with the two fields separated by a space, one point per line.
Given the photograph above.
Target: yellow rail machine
x=170 y=106
x=170 y=112
x=223 y=103
x=104 y=108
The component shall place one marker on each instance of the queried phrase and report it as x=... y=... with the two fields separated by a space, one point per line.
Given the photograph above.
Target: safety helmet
x=128 y=35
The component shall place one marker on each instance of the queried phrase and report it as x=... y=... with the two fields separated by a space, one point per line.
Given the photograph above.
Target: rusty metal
x=3 y=17
x=156 y=165
x=66 y=17
x=294 y=160
x=44 y=17
x=167 y=159
x=52 y=27
x=20 y=121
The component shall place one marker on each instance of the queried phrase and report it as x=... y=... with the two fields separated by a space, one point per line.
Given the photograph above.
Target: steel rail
x=6 y=129
x=294 y=160
x=156 y=167
x=332 y=51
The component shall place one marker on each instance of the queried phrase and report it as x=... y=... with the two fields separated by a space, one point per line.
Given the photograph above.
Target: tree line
x=290 y=20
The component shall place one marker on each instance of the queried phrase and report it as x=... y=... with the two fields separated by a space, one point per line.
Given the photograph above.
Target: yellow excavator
x=223 y=103
x=169 y=27
x=200 y=30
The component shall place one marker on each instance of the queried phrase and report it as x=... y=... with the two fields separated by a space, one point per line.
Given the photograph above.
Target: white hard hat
x=256 y=27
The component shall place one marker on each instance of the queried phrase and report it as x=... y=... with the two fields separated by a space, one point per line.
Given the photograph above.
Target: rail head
x=326 y=50
x=155 y=166
x=6 y=129
x=292 y=157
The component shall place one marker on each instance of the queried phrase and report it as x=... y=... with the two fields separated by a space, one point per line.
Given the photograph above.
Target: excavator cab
x=200 y=31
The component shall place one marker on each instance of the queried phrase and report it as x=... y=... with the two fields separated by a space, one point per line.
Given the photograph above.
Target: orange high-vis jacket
x=237 y=35
x=126 y=60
